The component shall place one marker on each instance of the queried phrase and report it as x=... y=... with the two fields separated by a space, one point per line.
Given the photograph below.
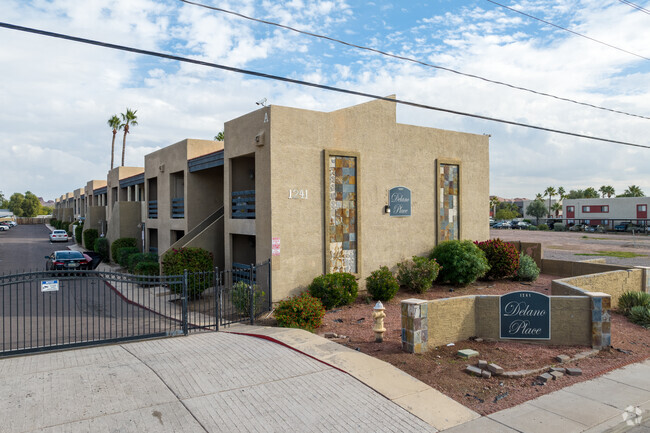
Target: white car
x=3 y=228
x=59 y=236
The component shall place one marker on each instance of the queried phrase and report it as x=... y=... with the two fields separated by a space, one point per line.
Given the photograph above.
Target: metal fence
x=49 y=310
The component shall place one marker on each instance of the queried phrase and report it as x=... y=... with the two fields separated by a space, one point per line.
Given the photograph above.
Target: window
x=586 y=209
x=595 y=209
x=570 y=208
x=604 y=209
x=642 y=207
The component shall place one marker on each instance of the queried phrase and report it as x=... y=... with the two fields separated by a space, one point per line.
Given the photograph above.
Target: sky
x=56 y=96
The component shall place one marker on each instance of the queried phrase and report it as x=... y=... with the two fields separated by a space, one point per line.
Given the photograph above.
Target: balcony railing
x=178 y=208
x=153 y=209
x=243 y=204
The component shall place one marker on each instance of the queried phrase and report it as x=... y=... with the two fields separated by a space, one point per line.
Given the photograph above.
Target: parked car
x=502 y=225
x=6 y=224
x=621 y=227
x=3 y=228
x=521 y=225
x=59 y=236
x=68 y=260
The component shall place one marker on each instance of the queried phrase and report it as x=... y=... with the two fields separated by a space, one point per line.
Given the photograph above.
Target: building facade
x=607 y=211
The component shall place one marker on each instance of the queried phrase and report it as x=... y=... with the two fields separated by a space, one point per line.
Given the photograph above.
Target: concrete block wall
x=613 y=283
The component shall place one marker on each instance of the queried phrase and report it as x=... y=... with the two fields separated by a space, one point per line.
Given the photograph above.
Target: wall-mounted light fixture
x=387 y=209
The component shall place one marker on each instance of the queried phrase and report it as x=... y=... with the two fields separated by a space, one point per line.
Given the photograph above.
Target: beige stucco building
x=184 y=190
x=310 y=190
x=125 y=200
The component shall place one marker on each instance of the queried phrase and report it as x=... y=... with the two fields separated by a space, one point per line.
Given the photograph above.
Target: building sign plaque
x=49 y=285
x=525 y=315
x=399 y=200
x=275 y=246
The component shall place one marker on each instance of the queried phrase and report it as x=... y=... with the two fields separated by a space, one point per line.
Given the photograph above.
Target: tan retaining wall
x=563 y=268
x=613 y=283
x=451 y=320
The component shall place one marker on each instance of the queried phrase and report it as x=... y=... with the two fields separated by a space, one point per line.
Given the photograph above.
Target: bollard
x=378 y=326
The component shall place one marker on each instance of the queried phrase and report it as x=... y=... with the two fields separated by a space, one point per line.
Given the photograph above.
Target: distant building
x=607 y=211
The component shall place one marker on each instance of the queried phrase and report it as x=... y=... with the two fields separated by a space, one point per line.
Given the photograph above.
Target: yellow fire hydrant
x=378 y=326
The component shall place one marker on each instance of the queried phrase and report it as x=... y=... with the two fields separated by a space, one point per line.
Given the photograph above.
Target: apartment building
x=607 y=211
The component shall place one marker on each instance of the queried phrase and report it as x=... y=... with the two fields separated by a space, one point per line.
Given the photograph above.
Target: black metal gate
x=53 y=309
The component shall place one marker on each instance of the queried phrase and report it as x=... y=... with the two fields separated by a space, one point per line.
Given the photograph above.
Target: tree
x=30 y=205
x=537 y=209
x=539 y=196
x=3 y=201
x=15 y=203
x=127 y=119
x=591 y=193
x=557 y=207
x=494 y=202
x=550 y=192
x=633 y=191
x=606 y=190
x=219 y=136
x=115 y=124
x=561 y=192
x=505 y=214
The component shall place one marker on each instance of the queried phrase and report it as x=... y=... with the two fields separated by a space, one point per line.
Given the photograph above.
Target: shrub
x=195 y=261
x=542 y=227
x=77 y=233
x=335 y=289
x=121 y=243
x=382 y=285
x=124 y=253
x=532 y=228
x=134 y=259
x=89 y=238
x=241 y=298
x=461 y=262
x=629 y=300
x=418 y=274
x=559 y=227
x=640 y=315
x=502 y=257
x=303 y=311
x=147 y=268
x=528 y=269
x=101 y=246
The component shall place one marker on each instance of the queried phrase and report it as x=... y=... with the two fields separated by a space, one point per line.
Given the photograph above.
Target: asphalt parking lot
x=572 y=246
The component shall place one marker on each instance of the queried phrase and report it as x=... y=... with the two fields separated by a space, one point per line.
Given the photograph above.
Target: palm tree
x=219 y=136
x=539 y=196
x=557 y=207
x=550 y=192
x=607 y=190
x=561 y=192
x=129 y=119
x=115 y=124
x=633 y=191
x=494 y=202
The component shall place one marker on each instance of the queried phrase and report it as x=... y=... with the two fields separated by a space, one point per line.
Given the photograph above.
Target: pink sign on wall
x=275 y=246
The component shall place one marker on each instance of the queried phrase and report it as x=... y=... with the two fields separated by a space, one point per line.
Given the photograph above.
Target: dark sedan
x=68 y=260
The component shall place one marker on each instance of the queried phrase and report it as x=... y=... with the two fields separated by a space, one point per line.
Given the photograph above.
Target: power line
x=409 y=59
x=635 y=6
x=307 y=83
x=569 y=30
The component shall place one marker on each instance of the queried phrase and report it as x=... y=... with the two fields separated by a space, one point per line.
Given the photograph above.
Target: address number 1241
x=298 y=194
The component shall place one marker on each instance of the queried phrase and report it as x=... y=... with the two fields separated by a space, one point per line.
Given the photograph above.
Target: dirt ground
x=442 y=369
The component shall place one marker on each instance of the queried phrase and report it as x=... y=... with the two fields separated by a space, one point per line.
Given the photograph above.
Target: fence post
x=185 y=282
x=217 y=296
x=270 y=286
x=252 y=294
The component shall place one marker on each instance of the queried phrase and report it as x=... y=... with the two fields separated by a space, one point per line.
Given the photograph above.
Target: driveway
x=209 y=382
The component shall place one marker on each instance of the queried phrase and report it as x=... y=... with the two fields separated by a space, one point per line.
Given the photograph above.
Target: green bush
x=640 y=315
x=101 y=246
x=461 y=262
x=147 y=268
x=629 y=300
x=303 y=311
x=123 y=255
x=335 y=289
x=532 y=228
x=542 y=227
x=559 y=227
x=89 y=238
x=241 y=298
x=134 y=259
x=502 y=258
x=528 y=269
x=121 y=243
x=382 y=285
x=77 y=233
x=195 y=261
x=418 y=274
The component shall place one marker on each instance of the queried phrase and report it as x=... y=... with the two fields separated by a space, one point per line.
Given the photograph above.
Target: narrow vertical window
x=342 y=213
x=448 y=202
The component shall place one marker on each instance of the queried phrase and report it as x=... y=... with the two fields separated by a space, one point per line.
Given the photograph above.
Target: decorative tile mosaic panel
x=448 y=200
x=342 y=224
